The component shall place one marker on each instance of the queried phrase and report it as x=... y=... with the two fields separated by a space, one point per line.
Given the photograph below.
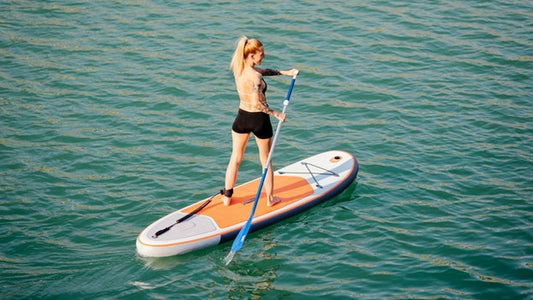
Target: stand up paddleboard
x=206 y=223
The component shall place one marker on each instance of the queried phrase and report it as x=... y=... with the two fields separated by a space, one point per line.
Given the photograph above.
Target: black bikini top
x=266 y=86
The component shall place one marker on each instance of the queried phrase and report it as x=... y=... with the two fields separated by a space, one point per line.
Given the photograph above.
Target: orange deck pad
x=288 y=188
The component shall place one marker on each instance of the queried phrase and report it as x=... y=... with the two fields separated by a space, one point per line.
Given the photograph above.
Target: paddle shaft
x=239 y=240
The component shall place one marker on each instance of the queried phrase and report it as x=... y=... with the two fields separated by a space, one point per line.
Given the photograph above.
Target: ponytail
x=244 y=48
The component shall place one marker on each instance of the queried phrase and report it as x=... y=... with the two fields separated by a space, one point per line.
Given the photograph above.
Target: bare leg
x=239 y=141
x=264 y=150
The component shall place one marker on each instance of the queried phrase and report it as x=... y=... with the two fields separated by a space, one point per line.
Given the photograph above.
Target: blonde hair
x=244 y=48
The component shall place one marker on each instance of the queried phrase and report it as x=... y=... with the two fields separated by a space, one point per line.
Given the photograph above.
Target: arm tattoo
x=271 y=72
x=256 y=87
x=263 y=107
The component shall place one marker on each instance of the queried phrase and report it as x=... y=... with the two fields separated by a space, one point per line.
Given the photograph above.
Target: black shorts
x=256 y=122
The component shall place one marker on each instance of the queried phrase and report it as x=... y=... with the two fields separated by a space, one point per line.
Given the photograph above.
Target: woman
x=254 y=113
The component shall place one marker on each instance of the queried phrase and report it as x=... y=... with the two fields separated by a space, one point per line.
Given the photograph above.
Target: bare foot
x=226 y=200
x=274 y=201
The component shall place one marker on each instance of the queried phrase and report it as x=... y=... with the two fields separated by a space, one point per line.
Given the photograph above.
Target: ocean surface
x=115 y=113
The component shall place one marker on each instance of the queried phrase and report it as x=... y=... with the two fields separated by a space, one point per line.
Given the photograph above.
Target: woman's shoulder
x=252 y=72
x=251 y=75
x=259 y=71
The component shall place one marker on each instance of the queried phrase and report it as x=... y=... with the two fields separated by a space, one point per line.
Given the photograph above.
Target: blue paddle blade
x=239 y=240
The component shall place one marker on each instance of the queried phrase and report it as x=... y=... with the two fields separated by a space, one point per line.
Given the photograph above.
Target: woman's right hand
x=281 y=117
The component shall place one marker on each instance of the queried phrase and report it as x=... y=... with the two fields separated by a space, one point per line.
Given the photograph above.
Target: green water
x=115 y=113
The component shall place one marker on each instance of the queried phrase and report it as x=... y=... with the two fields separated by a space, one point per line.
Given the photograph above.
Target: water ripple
x=115 y=113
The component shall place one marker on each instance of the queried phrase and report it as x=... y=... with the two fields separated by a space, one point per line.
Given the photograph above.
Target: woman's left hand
x=293 y=72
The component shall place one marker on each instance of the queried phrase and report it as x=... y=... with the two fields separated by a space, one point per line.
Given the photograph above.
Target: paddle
x=239 y=240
